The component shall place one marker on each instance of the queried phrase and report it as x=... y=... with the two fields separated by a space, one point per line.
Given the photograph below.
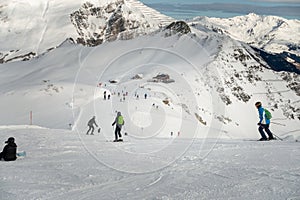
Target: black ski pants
x=117 y=132
x=90 y=128
x=265 y=127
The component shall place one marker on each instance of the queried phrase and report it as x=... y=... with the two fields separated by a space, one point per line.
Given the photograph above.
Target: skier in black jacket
x=119 y=121
x=9 y=151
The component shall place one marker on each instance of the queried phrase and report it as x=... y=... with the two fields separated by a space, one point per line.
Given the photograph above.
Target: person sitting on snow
x=9 y=152
x=264 y=123
x=91 y=125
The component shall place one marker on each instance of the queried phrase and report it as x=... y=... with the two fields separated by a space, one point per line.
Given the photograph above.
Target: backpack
x=120 y=120
x=268 y=114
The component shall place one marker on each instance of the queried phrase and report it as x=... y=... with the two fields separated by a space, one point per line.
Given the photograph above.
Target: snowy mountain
x=225 y=70
x=116 y=20
x=186 y=91
x=270 y=33
x=32 y=28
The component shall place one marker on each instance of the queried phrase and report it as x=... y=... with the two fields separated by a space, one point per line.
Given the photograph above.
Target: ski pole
x=125 y=133
x=278 y=137
x=278 y=124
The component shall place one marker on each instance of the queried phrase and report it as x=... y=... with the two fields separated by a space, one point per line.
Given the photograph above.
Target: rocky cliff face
x=116 y=20
x=178 y=27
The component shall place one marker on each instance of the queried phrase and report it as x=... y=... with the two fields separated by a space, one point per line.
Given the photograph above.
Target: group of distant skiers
x=9 y=152
x=122 y=96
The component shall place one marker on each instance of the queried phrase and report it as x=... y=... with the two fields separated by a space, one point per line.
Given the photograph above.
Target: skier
x=91 y=125
x=264 y=123
x=104 y=95
x=119 y=121
x=9 y=151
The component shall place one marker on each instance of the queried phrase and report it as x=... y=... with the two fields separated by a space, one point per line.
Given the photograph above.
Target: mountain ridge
x=271 y=33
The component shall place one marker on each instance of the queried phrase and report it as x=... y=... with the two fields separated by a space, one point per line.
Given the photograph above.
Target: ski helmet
x=258 y=104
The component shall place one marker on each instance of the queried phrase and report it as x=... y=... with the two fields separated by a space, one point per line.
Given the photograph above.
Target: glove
x=258 y=124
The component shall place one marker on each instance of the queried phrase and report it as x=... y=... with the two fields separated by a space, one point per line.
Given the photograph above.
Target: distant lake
x=188 y=9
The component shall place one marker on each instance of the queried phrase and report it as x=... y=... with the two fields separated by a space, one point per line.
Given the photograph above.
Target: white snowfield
x=58 y=166
x=183 y=140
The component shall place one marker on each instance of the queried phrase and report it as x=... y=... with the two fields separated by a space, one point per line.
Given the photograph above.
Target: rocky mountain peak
x=116 y=20
x=180 y=27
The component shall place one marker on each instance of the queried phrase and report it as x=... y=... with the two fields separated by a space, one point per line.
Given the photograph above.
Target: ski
x=258 y=140
x=120 y=140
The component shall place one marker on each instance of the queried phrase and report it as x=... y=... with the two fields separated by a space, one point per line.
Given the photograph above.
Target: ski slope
x=59 y=166
x=211 y=161
x=191 y=138
x=61 y=88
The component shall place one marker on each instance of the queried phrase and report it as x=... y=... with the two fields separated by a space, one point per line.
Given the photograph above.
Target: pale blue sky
x=184 y=9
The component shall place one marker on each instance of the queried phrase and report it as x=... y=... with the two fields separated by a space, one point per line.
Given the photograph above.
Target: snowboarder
x=108 y=97
x=145 y=95
x=9 y=152
x=264 y=123
x=119 y=121
x=91 y=125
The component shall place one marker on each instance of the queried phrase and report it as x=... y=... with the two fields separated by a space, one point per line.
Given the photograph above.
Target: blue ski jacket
x=262 y=116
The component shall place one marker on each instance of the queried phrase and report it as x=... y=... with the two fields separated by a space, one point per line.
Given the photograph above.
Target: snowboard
x=119 y=140
x=21 y=154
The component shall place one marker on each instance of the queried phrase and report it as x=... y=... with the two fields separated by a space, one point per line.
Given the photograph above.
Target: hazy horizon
x=188 y=9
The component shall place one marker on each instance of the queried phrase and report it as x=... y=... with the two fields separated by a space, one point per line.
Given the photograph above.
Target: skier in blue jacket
x=264 y=123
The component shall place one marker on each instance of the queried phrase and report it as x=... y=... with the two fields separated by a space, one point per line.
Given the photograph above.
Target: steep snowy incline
x=31 y=28
x=34 y=26
x=271 y=33
x=151 y=13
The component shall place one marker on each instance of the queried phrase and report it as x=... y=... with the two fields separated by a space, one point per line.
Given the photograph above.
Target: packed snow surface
x=71 y=165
